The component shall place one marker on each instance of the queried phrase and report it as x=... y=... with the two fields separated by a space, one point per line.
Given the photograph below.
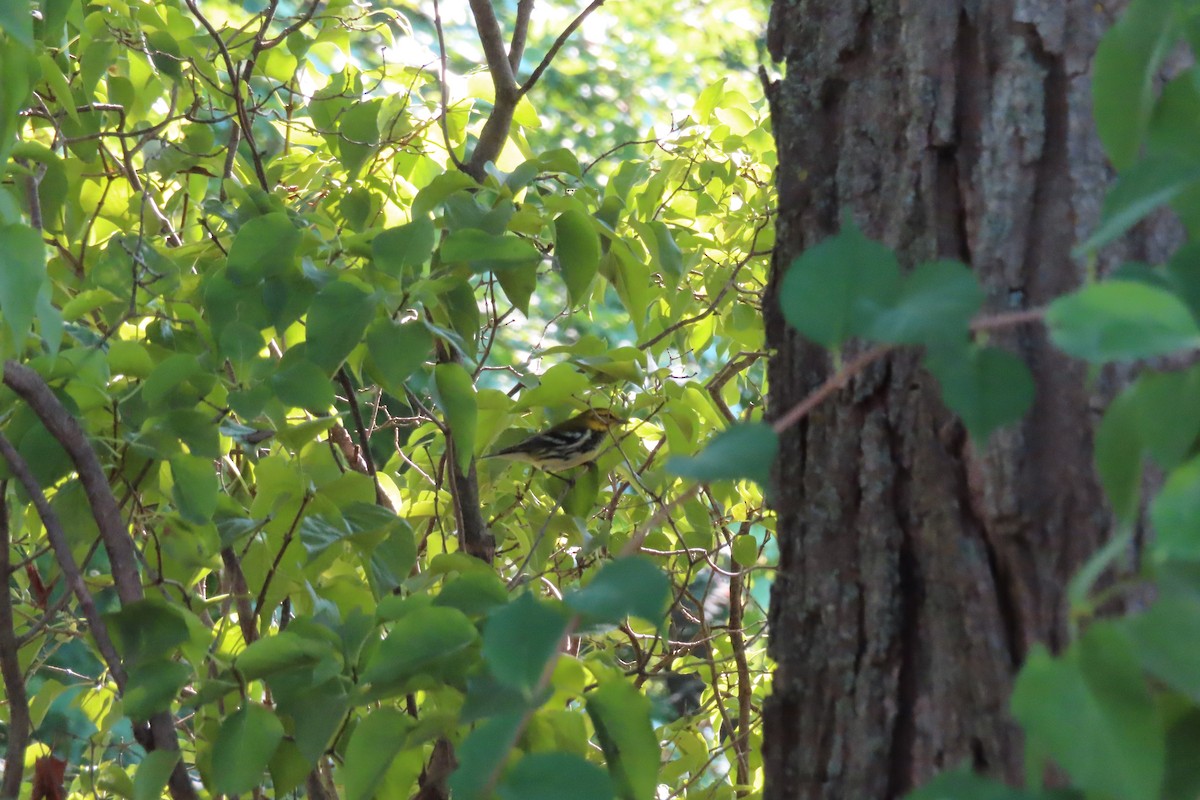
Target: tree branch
x=520 y=33
x=10 y=667
x=558 y=44
x=495 y=131
x=30 y=387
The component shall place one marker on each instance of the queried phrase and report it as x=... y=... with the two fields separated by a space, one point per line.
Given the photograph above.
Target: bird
x=568 y=444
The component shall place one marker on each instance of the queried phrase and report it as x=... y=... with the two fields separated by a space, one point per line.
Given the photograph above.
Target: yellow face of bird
x=601 y=419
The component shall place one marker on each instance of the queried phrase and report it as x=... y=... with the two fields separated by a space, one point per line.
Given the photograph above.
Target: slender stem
x=10 y=667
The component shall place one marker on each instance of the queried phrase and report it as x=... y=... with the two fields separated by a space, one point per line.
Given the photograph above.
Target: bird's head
x=600 y=419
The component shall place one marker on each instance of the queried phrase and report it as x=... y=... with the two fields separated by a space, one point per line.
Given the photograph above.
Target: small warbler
x=568 y=444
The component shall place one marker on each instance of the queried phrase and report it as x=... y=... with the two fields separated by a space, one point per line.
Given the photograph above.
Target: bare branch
x=558 y=43
x=520 y=33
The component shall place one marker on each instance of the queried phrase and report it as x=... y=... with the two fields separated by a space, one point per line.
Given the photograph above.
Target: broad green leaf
x=1139 y=190
x=520 y=639
x=438 y=189
x=426 y=641
x=1091 y=712
x=1118 y=449
x=745 y=550
x=1168 y=421
x=518 y=284
x=986 y=386
x=456 y=396
x=481 y=757
x=281 y=651
x=621 y=717
x=302 y=384
x=554 y=776
x=245 y=743
x=935 y=304
x=153 y=772
x=16 y=20
x=147 y=629
x=630 y=586
x=195 y=488
x=1164 y=638
x=337 y=319
x=1121 y=321
x=484 y=252
x=22 y=275
x=577 y=248
x=397 y=351
x=962 y=784
x=359 y=134
x=404 y=248
x=838 y=288
x=473 y=593
x=1175 y=512
x=151 y=687
x=746 y=450
x=129 y=358
x=373 y=745
x=1124 y=75
x=263 y=246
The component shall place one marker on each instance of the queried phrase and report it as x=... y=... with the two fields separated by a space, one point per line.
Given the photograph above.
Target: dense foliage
x=265 y=302
x=259 y=258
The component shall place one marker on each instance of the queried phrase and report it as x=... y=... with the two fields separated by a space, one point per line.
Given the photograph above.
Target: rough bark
x=917 y=567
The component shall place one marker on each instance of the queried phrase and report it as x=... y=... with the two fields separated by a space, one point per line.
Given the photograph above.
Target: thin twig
x=558 y=44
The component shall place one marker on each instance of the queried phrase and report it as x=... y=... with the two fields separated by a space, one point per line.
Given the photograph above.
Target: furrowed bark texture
x=917 y=568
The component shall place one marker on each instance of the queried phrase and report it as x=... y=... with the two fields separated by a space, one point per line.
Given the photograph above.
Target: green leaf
x=337 y=319
x=456 y=396
x=16 y=19
x=621 y=716
x=836 y=289
x=359 y=129
x=554 y=776
x=484 y=252
x=195 y=488
x=481 y=756
x=397 y=351
x=425 y=641
x=264 y=246
x=373 y=746
x=22 y=275
x=986 y=386
x=1125 y=71
x=577 y=248
x=245 y=743
x=1091 y=712
x=147 y=629
x=1118 y=450
x=935 y=304
x=153 y=772
x=1174 y=513
x=165 y=53
x=282 y=651
x=626 y=586
x=302 y=384
x=1121 y=321
x=151 y=687
x=1139 y=190
x=520 y=639
x=746 y=450
x=962 y=784
x=404 y=248
x=474 y=593
x=1164 y=639
x=518 y=284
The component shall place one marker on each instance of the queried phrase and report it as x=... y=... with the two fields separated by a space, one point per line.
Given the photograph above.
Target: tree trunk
x=917 y=567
